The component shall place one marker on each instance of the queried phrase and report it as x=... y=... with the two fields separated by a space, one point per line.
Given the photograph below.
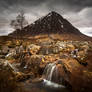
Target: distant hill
x=52 y=24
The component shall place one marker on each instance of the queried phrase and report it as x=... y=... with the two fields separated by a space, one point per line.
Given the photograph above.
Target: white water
x=51 y=72
x=52 y=84
x=48 y=72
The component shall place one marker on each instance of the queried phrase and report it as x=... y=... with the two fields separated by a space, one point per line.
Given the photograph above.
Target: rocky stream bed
x=49 y=66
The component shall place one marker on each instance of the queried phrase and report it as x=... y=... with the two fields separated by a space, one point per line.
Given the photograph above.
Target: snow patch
x=62 y=26
x=60 y=21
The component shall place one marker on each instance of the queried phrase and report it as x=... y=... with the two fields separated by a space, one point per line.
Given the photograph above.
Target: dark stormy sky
x=78 y=12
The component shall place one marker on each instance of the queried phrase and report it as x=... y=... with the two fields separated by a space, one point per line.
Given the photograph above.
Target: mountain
x=52 y=23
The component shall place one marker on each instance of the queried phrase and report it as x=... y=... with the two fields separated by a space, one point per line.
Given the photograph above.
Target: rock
x=4 y=64
x=34 y=63
x=75 y=75
x=65 y=68
x=71 y=47
x=37 y=80
x=61 y=44
x=2 y=56
x=88 y=59
x=80 y=57
x=20 y=77
x=11 y=54
x=45 y=50
x=10 y=44
x=21 y=49
x=55 y=49
x=5 y=49
x=33 y=49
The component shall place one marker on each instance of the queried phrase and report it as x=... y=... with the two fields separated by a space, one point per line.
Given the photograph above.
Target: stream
x=44 y=86
x=47 y=84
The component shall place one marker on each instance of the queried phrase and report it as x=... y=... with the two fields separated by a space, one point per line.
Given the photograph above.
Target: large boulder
x=66 y=66
x=75 y=74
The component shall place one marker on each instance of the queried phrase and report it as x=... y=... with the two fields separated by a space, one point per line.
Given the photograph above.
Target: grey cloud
x=77 y=4
x=78 y=12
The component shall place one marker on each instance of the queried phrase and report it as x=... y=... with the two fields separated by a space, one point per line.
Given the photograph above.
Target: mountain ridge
x=52 y=23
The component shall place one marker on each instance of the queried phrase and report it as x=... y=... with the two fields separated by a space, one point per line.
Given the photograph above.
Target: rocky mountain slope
x=52 y=23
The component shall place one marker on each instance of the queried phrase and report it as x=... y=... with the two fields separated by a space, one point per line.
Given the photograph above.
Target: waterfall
x=50 y=75
x=48 y=72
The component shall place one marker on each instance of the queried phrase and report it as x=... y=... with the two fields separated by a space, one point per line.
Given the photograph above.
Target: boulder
x=34 y=64
x=66 y=67
x=78 y=77
x=45 y=50
x=5 y=50
x=20 y=77
x=33 y=49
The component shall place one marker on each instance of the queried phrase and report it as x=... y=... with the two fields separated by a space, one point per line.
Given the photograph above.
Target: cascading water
x=51 y=75
x=48 y=85
x=48 y=72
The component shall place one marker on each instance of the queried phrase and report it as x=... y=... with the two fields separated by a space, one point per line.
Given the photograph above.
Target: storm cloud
x=78 y=12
